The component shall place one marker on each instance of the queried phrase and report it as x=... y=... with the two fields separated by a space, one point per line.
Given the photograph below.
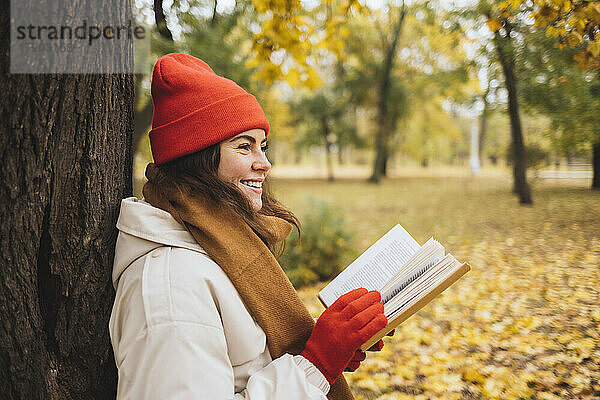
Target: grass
x=523 y=324
x=458 y=211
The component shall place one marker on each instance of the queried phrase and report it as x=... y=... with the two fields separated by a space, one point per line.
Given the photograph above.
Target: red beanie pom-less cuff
x=194 y=108
x=206 y=126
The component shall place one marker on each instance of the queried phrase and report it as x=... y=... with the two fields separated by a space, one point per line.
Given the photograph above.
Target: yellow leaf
x=582 y=347
x=582 y=59
x=251 y=63
x=292 y=77
x=492 y=389
x=503 y=5
x=405 y=372
x=547 y=396
x=473 y=375
x=594 y=48
x=314 y=80
x=573 y=39
x=594 y=12
x=578 y=381
x=494 y=24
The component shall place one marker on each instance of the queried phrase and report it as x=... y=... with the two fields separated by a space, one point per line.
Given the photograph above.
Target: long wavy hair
x=197 y=173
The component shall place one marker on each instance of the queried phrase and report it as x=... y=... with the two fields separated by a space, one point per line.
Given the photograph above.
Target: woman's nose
x=262 y=163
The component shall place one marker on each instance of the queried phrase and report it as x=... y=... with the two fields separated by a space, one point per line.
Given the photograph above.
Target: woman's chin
x=256 y=204
x=254 y=197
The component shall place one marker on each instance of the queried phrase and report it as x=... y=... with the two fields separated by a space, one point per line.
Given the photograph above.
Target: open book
x=408 y=276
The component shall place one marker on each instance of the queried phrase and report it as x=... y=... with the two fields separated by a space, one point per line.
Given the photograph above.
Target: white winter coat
x=180 y=330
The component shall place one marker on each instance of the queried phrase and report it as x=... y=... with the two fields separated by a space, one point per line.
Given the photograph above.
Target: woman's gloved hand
x=359 y=355
x=379 y=345
x=348 y=323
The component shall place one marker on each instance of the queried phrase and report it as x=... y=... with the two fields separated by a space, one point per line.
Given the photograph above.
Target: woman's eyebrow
x=248 y=137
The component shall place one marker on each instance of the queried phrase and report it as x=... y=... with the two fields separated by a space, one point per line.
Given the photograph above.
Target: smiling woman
x=203 y=310
x=245 y=164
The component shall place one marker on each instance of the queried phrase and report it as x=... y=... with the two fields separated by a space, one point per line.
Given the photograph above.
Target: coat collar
x=142 y=228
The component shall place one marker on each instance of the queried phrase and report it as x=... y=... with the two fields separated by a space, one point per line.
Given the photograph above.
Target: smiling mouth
x=255 y=185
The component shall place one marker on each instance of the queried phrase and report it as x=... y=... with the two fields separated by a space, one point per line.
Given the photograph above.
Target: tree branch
x=161 y=21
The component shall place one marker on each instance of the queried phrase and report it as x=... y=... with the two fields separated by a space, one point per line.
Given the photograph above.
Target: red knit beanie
x=195 y=108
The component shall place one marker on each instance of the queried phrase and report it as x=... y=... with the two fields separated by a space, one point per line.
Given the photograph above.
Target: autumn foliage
x=575 y=24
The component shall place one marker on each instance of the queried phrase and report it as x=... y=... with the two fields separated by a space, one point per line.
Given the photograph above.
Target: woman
x=203 y=309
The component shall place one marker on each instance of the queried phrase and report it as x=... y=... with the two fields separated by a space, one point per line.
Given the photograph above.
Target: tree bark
x=506 y=57
x=384 y=127
x=65 y=142
x=596 y=165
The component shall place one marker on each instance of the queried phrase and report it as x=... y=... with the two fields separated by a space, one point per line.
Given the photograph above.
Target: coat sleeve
x=169 y=343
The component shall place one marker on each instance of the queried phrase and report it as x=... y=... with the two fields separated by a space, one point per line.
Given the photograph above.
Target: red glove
x=359 y=355
x=348 y=323
x=379 y=345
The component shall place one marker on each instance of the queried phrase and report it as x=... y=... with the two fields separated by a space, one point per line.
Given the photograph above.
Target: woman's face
x=244 y=163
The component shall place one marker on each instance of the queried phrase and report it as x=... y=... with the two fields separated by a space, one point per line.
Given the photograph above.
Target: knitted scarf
x=249 y=264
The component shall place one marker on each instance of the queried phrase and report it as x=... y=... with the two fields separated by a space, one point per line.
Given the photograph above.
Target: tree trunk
x=384 y=127
x=596 y=165
x=505 y=54
x=380 y=156
x=483 y=122
x=328 y=157
x=65 y=142
x=161 y=21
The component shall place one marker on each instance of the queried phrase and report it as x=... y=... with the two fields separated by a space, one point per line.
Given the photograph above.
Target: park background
x=474 y=122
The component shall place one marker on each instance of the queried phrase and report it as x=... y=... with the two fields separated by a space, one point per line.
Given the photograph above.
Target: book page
x=375 y=266
x=427 y=282
x=431 y=290
x=426 y=257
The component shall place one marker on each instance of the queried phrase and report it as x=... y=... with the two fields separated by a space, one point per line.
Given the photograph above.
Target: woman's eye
x=245 y=146
x=265 y=147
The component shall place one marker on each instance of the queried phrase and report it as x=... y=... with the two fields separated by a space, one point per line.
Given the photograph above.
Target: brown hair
x=197 y=173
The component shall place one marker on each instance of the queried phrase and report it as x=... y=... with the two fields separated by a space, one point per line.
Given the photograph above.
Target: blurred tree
x=573 y=24
x=431 y=133
x=321 y=111
x=283 y=129
x=143 y=106
x=386 y=91
x=373 y=80
x=436 y=72
x=506 y=30
x=556 y=87
x=427 y=61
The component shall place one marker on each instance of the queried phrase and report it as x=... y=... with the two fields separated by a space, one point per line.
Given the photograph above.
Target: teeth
x=252 y=184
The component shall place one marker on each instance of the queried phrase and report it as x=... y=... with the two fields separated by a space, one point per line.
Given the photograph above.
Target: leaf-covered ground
x=523 y=324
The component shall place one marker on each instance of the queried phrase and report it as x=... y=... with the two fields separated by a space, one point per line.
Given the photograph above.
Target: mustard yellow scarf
x=249 y=264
